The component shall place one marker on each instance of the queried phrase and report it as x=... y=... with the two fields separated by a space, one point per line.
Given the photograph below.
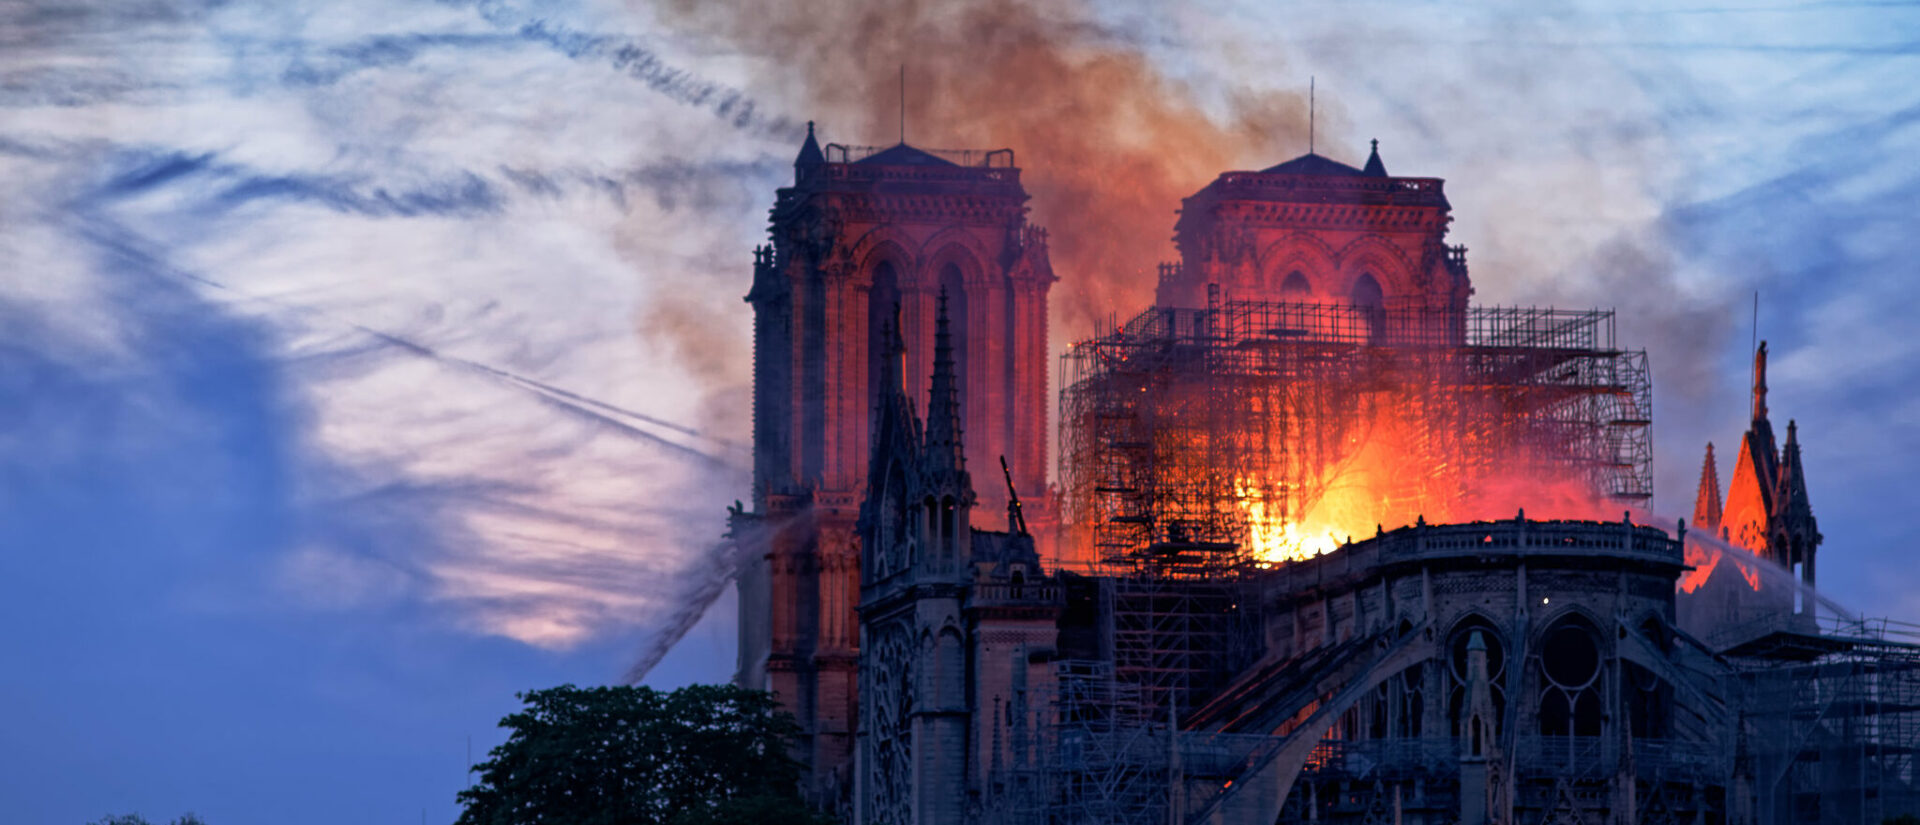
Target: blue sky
x=362 y=363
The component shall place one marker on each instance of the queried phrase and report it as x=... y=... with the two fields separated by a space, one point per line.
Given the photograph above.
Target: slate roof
x=904 y=155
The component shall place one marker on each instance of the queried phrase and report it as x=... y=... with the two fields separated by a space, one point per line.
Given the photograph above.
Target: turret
x=810 y=154
x=1374 y=167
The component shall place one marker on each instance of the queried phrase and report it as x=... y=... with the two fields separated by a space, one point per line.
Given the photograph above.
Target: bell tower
x=1315 y=230
x=865 y=236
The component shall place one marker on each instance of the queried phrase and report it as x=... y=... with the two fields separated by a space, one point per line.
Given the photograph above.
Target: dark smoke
x=1108 y=141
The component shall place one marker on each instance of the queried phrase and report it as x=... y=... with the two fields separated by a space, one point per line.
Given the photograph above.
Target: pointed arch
x=1454 y=662
x=1572 y=675
x=1295 y=287
x=887 y=244
x=1375 y=255
x=957 y=246
x=1301 y=252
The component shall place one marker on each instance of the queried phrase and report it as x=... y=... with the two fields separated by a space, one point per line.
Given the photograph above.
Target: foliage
x=700 y=755
x=136 y=819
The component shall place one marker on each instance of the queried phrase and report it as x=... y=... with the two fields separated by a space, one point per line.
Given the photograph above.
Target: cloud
x=413 y=345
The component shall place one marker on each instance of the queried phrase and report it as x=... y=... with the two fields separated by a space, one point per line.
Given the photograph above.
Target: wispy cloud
x=441 y=361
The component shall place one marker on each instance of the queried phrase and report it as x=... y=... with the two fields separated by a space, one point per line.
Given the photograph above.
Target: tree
x=136 y=819
x=700 y=755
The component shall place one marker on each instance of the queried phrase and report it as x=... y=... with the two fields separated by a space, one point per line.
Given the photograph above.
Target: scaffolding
x=1219 y=425
x=1104 y=758
x=1830 y=737
x=1178 y=636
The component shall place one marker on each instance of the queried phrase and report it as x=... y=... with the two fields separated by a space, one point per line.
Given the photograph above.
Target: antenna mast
x=1310 y=114
x=903 y=104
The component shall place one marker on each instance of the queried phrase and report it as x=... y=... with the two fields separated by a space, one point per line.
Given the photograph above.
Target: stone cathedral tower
x=1314 y=230
x=859 y=233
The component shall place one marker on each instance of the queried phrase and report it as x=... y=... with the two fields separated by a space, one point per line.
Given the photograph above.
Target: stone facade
x=952 y=618
x=853 y=242
x=1313 y=230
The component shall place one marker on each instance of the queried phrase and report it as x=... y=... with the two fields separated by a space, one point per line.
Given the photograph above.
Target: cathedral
x=1146 y=635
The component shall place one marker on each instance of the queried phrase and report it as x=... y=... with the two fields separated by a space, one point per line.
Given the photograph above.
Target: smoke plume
x=1108 y=140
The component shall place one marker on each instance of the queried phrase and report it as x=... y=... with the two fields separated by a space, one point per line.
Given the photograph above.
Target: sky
x=363 y=363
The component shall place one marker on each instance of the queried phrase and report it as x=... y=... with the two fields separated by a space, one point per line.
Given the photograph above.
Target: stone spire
x=883 y=523
x=945 y=452
x=1706 y=503
x=1752 y=495
x=896 y=431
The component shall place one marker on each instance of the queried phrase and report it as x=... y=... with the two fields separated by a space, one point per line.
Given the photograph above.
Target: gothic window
x=1570 y=685
x=1457 y=672
x=1295 y=288
x=1410 y=699
x=1368 y=298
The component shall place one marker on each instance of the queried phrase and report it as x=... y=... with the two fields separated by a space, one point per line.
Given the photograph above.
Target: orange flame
x=1397 y=475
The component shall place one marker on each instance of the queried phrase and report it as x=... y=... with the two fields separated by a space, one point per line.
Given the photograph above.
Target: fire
x=1704 y=558
x=1271 y=537
x=1391 y=478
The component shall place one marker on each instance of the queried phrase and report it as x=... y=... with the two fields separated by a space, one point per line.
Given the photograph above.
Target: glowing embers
x=1705 y=554
x=1397 y=467
x=1243 y=424
x=1271 y=537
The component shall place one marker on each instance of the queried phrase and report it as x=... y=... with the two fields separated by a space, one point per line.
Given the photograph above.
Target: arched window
x=1295 y=288
x=1570 y=685
x=1412 y=702
x=1457 y=675
x=1372 y=303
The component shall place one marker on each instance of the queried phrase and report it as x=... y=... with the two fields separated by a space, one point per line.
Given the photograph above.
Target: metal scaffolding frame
x=1179 y=636
x=1832 y=738
x=1172 y=423
x=1104 y=758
